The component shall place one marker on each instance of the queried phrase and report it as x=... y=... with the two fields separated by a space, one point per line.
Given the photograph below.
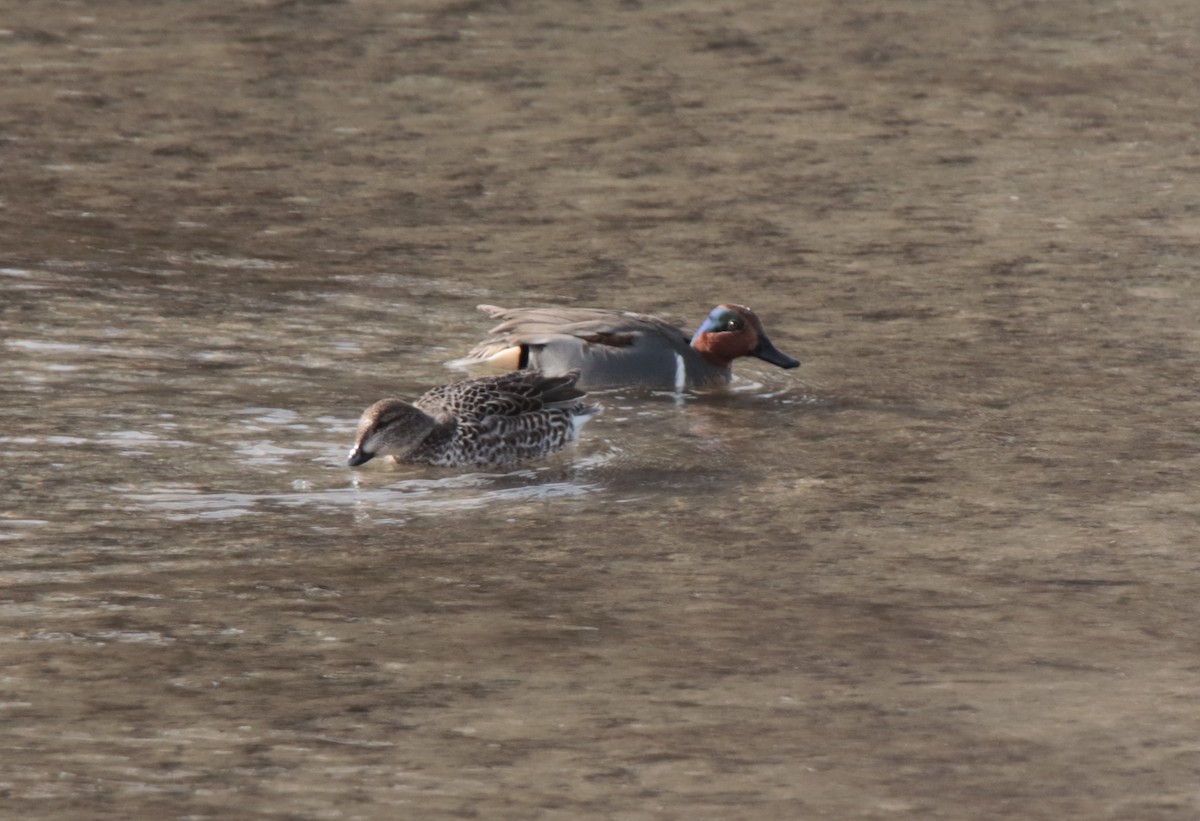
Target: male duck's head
x=731 y=331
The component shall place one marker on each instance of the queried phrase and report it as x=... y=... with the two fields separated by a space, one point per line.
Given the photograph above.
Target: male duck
x=493 y=421
x=613 y=348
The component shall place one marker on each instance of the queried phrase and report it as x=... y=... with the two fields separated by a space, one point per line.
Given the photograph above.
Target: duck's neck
x=718 y=350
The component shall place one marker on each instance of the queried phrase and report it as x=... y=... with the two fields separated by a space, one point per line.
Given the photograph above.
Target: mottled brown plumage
x=498 y=420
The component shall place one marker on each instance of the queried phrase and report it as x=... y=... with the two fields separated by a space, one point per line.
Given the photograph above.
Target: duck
x=612 y=348
x=488 y=422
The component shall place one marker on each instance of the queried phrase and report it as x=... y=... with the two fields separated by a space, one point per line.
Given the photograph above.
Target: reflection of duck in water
x=494 y=421
x=615 y=348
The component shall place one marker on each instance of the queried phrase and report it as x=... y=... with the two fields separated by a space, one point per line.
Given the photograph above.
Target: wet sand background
x=946 y=570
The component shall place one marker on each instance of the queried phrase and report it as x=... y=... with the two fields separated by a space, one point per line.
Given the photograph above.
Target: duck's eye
x=734 y=323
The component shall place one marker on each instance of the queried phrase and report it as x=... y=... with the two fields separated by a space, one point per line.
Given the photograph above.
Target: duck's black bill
x=359 y=457
x=769 y=353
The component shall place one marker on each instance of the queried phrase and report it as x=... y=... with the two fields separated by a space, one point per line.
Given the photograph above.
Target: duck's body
x=617 y=348
x=494 y=421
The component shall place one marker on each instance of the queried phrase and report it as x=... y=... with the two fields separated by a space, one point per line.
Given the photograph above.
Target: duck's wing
x=609 y=347
x=507 y=395
x=595 y=326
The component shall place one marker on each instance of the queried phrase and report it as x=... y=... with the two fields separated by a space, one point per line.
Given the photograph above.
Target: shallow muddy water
x=946 y=569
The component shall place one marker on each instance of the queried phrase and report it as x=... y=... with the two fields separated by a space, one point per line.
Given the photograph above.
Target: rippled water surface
x=946 y=569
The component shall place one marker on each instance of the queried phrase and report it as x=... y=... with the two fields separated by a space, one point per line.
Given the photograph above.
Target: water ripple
x=406 y=497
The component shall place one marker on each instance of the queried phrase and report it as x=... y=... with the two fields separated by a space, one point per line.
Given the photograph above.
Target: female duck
x=494 y=421
x=614 y=348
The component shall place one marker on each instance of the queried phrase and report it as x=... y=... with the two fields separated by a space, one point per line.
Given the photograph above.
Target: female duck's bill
x=495 y=421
